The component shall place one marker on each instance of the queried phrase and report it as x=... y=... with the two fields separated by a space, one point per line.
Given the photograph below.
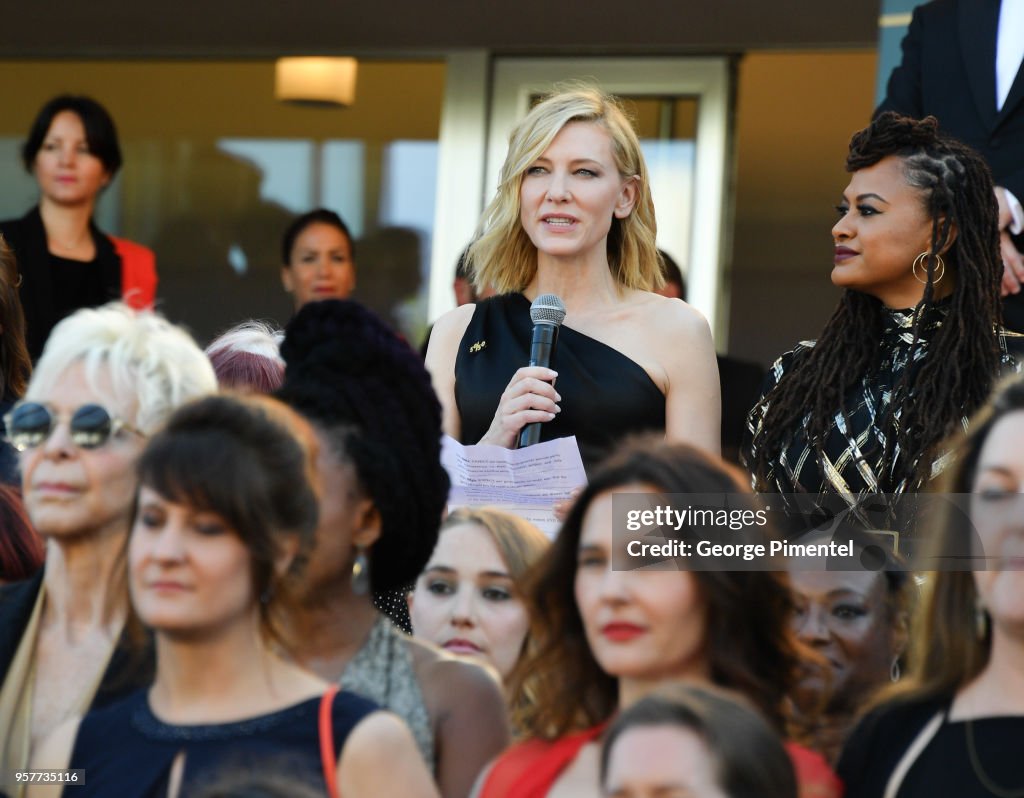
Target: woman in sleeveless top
x=607 y=637
x=954 y=724
x=226 y=512
x=369 y=399
x=573 y=216
x=65 y=262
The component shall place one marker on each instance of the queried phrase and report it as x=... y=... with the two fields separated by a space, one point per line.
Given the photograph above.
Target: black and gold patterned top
x=852 y=465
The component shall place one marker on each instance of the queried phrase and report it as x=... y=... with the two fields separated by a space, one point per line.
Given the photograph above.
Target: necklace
x=979 y=770
x=74 y=242
x=68 y=243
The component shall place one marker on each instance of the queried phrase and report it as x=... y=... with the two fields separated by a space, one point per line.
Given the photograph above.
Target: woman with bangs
x=227 y=509
x=573 y=216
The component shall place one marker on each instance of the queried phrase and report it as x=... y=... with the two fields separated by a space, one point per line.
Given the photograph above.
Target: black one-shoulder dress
x=605 y=395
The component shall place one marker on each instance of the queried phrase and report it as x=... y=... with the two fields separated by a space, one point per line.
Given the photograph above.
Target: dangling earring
x=361 y=572
x=894 y=670
x=922 y=260
x=980 y=619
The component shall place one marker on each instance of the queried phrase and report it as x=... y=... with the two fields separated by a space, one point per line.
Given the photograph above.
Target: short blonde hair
x=503 y=256
x=151 y=363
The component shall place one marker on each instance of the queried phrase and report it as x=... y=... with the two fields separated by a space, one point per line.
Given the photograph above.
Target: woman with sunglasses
x=227 y=510
x=107 y=379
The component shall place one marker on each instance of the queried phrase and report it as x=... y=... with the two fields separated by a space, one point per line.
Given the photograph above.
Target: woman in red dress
x=607 y=637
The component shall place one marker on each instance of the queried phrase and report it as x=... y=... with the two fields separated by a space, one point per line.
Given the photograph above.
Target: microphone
x=547 y=313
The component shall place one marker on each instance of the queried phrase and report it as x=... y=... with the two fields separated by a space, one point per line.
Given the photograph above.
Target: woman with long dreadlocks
x=916 y=342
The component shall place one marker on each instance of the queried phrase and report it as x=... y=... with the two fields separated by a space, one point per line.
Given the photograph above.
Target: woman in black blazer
x=64 y=261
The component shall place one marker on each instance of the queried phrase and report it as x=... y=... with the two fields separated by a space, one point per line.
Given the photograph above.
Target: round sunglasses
x=29 y=424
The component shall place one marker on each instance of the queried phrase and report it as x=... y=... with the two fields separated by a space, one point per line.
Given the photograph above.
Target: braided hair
x=369 y=392
x=957 y=375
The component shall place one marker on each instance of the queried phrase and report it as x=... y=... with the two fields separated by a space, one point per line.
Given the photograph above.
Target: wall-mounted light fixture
x=316 y=80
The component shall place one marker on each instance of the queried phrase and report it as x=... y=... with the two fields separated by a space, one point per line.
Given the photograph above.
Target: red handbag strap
x=327 y=758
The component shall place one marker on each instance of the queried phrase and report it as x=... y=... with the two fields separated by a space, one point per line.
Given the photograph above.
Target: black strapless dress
x=605 y=395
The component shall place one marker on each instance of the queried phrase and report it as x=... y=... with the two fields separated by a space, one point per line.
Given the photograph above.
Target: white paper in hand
x=526 y=482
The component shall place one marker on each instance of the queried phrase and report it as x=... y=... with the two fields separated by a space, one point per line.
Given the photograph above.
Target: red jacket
x=138 y=273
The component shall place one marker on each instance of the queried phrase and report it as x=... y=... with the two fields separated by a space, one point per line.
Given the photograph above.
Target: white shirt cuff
x=1016 y=211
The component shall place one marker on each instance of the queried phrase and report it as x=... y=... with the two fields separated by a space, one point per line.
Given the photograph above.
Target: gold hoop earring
x=922 y=260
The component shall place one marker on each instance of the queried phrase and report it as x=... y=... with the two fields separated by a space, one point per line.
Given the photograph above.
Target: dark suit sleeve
x=1014 y=182
x=903 y=93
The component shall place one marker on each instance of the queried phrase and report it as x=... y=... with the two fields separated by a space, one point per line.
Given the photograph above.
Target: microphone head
x=547 y=309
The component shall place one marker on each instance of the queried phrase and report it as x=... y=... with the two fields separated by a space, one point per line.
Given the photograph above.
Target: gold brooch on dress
x=477 y=347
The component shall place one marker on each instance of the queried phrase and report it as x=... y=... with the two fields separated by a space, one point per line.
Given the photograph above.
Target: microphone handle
x=541 y=347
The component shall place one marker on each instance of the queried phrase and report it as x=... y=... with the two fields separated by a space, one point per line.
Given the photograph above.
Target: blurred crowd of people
x=234 y=572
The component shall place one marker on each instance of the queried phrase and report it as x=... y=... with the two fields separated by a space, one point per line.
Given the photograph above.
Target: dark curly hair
x=962 y=363
x=749 y=644
x=362 y=385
